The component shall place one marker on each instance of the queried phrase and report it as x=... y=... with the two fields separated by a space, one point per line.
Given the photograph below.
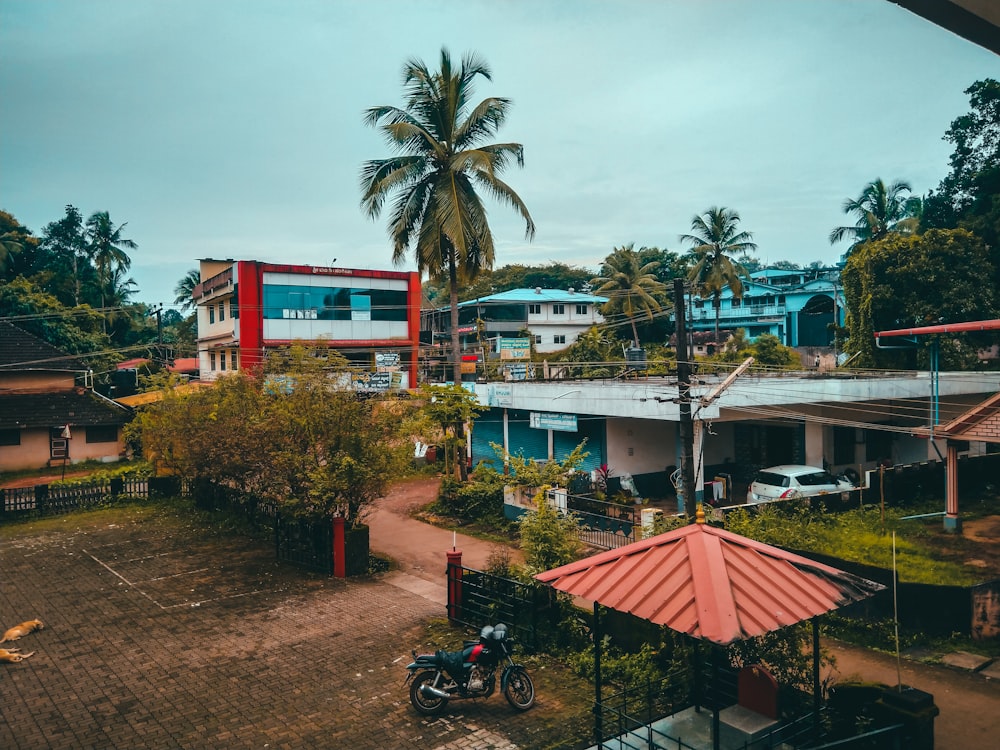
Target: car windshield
x=769 y=477
x=816 y=478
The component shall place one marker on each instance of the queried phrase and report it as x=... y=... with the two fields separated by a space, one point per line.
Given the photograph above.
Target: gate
x=305 y=543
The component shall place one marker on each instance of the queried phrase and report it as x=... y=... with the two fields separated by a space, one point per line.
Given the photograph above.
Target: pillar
x=339 y=548
x=454 y=584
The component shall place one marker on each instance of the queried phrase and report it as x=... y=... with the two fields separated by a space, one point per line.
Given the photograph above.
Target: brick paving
x=155 y=639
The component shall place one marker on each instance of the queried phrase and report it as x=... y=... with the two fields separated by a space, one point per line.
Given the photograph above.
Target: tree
x=450 y=407
x=106 y=246
x=630 y=286
x=184 y=290
x=67 y=259
x=902 y=282
x=17 y=247
x=442 y=157
x=717 y=240
x=879 y=211
x=548 y=538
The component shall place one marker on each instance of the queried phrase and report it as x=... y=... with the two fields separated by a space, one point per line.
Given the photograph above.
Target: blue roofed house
x=797 y=306
x=553 y=317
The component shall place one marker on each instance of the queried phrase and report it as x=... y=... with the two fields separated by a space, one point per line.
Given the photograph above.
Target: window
x=558 y=309
x=234 y=308
x=559 y=338
x=211 y=361
x=211 y=313
x=843 y=445
x=698 y=304
x=222 y=360
x=232 y=360
x=538 y=340
x=333 y=303
x=534 y=309
x=102 y=434
x=222 y=311
x=581 y=309
x=737 y=302
x=10 y=437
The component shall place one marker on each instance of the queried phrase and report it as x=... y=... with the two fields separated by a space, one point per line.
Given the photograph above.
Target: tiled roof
x=20 y=350
x=710 y=583
x=73 y=407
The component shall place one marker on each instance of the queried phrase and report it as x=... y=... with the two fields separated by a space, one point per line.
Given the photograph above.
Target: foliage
x=899 y=282
x=597 y=352
x=857 y=535
x=527 y=472
x=548 y=538
x=296 y=434
x=631 y=287
x=786 y=654
x=479 y=500
x=717 y=240
x=442 y=157
x=767 y=350
x=515 y=276
x=450 y=407
x=879 y=211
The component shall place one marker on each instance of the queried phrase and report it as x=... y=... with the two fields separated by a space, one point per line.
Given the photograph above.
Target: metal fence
x=45 y=499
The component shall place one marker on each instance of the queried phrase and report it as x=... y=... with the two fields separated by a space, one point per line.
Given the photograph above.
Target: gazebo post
x=699 y=688
x=715 y=697
x=598 y=717
x=816 y=695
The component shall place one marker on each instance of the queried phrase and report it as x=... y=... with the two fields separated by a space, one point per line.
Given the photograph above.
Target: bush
x=479 y=500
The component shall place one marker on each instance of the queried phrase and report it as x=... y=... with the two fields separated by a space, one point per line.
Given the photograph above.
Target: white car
x=792 y=480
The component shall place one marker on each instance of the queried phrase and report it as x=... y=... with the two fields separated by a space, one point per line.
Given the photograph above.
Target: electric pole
x=684 y=402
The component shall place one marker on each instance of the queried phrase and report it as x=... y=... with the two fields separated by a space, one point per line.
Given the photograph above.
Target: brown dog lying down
x=11 y=655
x=19 y=631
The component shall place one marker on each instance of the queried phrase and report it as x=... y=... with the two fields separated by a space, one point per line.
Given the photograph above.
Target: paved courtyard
x=160 y=637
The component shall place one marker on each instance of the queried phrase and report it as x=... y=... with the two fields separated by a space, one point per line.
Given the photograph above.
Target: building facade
x=246 y=308
x=554 y=318
x=797 y=306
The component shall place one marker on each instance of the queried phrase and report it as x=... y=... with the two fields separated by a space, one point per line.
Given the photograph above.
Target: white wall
x=653 y=445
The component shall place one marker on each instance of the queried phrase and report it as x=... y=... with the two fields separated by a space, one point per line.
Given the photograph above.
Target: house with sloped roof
x=49 y=415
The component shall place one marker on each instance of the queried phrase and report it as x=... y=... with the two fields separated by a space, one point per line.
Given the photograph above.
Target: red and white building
x=246 y=308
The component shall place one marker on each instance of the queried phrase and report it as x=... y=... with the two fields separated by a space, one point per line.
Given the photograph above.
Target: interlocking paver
x=240 y=653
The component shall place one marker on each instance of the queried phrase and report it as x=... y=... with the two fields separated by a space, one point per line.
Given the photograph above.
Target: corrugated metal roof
x=710 y=583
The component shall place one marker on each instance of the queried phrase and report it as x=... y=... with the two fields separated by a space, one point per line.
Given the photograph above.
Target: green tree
x=184 y=291
x=107 y=248
x=880 y=210
x=443 y=155
x=716 y=240
x=17 y=247
x=66 y=259
x=901 y=282
x=548 y=538
x=451 y=407
x=631 y=287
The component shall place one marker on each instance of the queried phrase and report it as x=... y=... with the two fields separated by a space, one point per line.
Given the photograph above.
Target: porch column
x=951 y=520
x=699 y=464
x=814 y=444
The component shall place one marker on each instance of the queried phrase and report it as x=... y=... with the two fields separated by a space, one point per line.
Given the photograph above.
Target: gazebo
x=709 y=584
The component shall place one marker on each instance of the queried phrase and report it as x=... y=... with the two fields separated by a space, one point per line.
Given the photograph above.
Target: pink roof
x=184 y=364
x=710 y=583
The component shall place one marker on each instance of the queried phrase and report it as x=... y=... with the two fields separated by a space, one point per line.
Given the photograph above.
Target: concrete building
x=554 y=318
x=246 y=308
x=796 y=306
x=840 y=420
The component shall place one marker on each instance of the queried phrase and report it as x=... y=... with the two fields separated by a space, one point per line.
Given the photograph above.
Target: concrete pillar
x=339 y=548
x=454 y=584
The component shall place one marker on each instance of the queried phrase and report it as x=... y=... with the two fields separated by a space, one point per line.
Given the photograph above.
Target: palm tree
x=629 y=285
x=107 y=248
x=185 y=289
x=879 y=210
x=441 y=159
x=717 y=240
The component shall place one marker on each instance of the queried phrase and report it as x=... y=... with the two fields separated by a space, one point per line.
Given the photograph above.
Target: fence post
x=454 y=584
x=339 y=548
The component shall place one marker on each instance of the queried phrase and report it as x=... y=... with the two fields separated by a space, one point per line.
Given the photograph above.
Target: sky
x=234 y=128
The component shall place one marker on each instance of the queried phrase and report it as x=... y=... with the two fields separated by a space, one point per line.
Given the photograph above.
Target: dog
x=19 y=631
x=12 y=655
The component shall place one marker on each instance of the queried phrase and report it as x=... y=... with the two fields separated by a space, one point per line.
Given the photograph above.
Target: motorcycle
x=469 y=673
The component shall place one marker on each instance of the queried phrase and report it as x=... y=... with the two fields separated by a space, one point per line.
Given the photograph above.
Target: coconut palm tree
x=717 y=240
x=442 y=156
x=629 y=285
x=106 y=247
x=184 y=290
x=879 y=211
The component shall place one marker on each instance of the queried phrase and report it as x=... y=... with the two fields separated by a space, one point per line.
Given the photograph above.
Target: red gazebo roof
x=710 y=583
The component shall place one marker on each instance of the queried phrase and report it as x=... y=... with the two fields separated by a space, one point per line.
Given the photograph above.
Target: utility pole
x=684 y=402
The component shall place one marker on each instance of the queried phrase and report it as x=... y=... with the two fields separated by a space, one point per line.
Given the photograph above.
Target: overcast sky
x=233 y=128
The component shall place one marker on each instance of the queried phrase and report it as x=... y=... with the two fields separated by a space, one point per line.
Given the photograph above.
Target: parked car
x=792 y=480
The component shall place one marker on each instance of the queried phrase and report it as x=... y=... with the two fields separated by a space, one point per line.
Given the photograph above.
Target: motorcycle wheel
x=520 y=690
x=428 y=705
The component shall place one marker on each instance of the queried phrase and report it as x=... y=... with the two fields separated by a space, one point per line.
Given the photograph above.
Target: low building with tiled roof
x=47 y=416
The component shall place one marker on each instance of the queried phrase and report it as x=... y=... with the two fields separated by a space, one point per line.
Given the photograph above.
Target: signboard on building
x=547 y=421
x=386 y=359
x=500 y=395
x=373 y=381
x=514 y=348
